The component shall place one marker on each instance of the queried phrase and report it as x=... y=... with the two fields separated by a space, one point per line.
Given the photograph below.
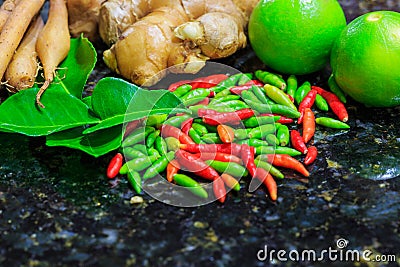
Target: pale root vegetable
x=14 y=29
x=196 y=31
x=83 y=16
x=23 y=68
x=53 y=43
x=144 y=48
x=5 y=10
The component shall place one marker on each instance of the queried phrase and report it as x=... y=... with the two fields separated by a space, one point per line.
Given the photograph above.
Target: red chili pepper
x=172 y=169
x=194 y=164
x=311 y=155
x=172 y=87
x=282 y=119
x=307 y=102
x=255 y=82
x=297 y=141
x=228 y=117
x=334 y=103
x=234 y=149
x=237 y=90
x=208 y=82
x=114 y=166
x=308 y=125
x=247 y=155
x=219 y=189
x=186 y=125
x=286 y=161
x=219 y=156
x=205 y=101
x=267 y=179
x=290 y=97
x=131 y=126
x=201 y=112
x=226 y=133
x=171 y=131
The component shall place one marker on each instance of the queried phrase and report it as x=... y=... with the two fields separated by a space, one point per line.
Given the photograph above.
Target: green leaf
x=19 y=113
x=74 y=71
x=95 y=144
x=116 y=101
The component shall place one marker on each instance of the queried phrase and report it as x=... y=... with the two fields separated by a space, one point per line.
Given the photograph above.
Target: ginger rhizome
x=147 y=37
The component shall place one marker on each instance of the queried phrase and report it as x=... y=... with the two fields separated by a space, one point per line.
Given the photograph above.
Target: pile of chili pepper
x=242 y=125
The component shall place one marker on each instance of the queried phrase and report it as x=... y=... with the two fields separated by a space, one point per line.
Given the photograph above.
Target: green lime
x=365 y=59
x=295 y=36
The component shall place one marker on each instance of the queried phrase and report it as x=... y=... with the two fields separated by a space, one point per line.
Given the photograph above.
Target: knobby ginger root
x=23 y=68
x=185 y=31
x=83 y=16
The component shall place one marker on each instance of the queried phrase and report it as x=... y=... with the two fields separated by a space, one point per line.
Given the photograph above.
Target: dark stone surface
x=57 y=208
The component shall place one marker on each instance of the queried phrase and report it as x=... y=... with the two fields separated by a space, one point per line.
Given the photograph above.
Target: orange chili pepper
x=226 y=133
x=267 y=179
x=172 y=168
x=308 y=125
x=286 y=161
x=230 y=181
x=219 y=189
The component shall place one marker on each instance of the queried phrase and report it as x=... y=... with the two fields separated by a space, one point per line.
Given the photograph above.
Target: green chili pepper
x=200 y=128
x=262 y=131
x=321 y=103
x=190 y=184
x=271 y=78
x=137 y=136
x=256 y=121
x=301 y=92
x=135 y=180
x=172 y=143
x=272 y=140
x=141 y=147
x=234 y=104
x=224 y=93
x=250 y=96
x=131 y=153
x=261 y=95
x=137 y=164
x=158 y=166
x=182 y=90
x=253 y=142
x=268 y=167
x=156 y=119
x=177 y=120
x=331 y=123
x=277 y=150
x=291 y=85
x=195 y=136
x=279 y=96
x=211 y=138
x=227 y=83
x=224 y=99
x=161 y=145
x=195 y=96
x=153 y=153
x=283 y=135
x=231 y=168
x=336 y=89
x=246 y=77
x=240 y=134
x=151 y=138
x=276 y=109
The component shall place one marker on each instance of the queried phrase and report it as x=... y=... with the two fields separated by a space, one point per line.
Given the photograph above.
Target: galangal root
x=147 y=37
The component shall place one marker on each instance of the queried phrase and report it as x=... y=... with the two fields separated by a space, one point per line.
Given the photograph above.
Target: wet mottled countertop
x=58 y=209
